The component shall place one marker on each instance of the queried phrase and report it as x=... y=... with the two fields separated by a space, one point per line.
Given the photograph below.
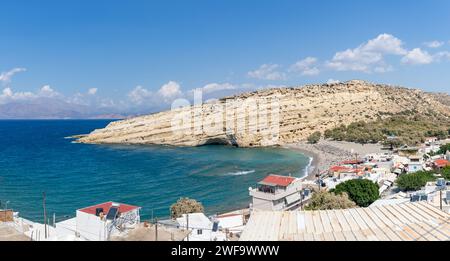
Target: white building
x=378 y=157
x=430 y=149
x=431 y=140
x=233 y=223
x=277 y=193
x=201 y=227
x=94 y=223
x=415 y=164
x=99 y=222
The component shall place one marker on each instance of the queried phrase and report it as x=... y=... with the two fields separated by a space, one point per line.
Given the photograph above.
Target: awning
x=293 y=198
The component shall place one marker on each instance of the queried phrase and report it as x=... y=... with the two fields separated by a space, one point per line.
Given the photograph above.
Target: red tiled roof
x=123 y=208
x=442 y=162
x=339 y=168
x=346 y=169
x=352 y=162
x=278 y=180
x=358 y=171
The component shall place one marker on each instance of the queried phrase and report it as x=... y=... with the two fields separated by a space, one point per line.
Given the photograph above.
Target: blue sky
x=140 y=55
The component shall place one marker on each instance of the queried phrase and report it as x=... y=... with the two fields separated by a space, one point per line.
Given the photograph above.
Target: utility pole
x=301 y=199
x=318 y=178
x=187 y=226
x=45 y=214
x=440 y=199
x=156 y=229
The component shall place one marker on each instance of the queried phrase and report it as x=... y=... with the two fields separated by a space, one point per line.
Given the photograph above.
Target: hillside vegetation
x=408 y=128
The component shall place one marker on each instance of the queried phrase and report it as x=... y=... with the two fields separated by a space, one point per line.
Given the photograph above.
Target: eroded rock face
x=283 y=116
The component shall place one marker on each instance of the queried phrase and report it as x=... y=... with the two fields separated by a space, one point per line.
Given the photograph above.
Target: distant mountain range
x=47 y=108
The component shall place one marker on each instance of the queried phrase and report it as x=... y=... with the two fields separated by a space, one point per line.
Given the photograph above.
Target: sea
x=36 y=157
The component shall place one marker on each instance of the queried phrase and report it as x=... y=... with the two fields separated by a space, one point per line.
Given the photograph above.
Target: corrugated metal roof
x=408 y=221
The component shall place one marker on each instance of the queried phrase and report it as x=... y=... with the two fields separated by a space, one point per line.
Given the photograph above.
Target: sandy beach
x=326 y=153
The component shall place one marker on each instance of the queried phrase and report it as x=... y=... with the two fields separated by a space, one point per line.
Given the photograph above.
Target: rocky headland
x=288 y=115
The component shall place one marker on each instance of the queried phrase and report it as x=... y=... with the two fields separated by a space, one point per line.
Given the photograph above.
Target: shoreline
x=326 y=153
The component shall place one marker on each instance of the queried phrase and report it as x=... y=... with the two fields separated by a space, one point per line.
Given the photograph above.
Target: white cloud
x=106 y=102
x=166 y=93
x=417 y=56
x=442 y=55
x=8 y=95
x=92 y=91
x=267 y=72
x=47 y=91
x=383 y=68
x=434 y=44
x=311 y=72
x=368 y=56
x=77 y=98
x=385 y=44
x=5 y=77
x=307 y=66
x=170 y=90
x=215 y=87
x=139 y=94
x=333 y=81
x=272 y=86
x=7 y=92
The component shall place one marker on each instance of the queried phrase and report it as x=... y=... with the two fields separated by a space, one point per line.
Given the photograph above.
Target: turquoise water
x=35 y=157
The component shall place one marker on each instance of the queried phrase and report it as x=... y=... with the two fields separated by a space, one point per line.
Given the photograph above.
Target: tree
x=362 y=191
x=414 y=181
x=185 y=206
x=323 y=200
x=315 y=137
x=444 y=148
x=445 y=173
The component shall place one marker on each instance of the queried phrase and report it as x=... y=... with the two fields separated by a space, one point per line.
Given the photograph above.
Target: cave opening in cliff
x=219 y=141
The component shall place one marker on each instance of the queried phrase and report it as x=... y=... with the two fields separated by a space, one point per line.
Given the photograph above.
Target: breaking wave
x=240 y=173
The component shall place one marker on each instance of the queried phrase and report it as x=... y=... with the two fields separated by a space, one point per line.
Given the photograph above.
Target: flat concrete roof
x=8 y=233
x=142 y=233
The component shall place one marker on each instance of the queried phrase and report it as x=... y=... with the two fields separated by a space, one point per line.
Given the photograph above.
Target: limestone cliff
x=285 y=115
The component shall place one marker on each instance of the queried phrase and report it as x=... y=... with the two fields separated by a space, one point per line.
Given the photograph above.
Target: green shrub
x=444 y=148
x=324 y=200
x=445 y=173
x=185 y=206
x=314 y=138
x=414 y=181
x=362 y=191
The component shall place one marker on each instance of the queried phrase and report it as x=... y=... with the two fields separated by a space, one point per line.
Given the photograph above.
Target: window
x=199 y=231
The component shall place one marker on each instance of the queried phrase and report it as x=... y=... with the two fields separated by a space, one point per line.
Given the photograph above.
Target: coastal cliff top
x=300 y=112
